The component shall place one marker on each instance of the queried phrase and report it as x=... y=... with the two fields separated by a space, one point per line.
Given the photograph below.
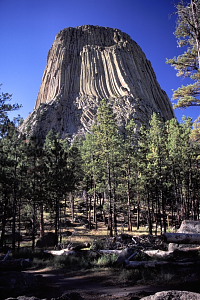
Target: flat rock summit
x=85 y=65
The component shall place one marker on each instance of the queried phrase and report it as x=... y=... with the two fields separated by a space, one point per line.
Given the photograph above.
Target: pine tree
x=144 y=186
x=34 y=188
x=195 y=134
x=188 y=63
x=106 y=149
x=129 y=165
x=56 y=164
x=5 y=108
x=73 y=172
x=10 y=179
x=180 y=163
x=6 y=183
x=63 y=173
x=8 y=164
x=152 y=171
x=187 y=170
x=92 y=176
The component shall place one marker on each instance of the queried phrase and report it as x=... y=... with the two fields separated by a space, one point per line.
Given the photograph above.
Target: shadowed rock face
x=85 y=65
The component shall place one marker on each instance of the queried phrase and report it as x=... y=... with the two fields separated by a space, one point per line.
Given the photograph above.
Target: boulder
x=23 y=298
x=48 y=240
x=173 y=295
x=70 y=296
x=66 y=296
x=188 y=227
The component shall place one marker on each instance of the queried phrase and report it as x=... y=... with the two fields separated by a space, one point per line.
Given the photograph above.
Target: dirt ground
x=98 y=285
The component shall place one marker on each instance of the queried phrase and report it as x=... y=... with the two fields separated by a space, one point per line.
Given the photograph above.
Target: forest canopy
x=144 y=175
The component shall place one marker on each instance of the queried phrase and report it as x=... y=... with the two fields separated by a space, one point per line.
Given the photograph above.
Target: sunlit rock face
x=85 y=65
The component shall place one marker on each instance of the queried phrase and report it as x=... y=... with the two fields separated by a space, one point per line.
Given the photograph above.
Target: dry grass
x=80 y=234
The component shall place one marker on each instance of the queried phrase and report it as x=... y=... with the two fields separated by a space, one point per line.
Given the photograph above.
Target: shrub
x=71 y=262
x=129 y=275
x=39 y=263
x=106 y=260
x=98 y=244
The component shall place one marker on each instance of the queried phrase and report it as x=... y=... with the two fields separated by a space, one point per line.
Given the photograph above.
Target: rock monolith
x=85 y=65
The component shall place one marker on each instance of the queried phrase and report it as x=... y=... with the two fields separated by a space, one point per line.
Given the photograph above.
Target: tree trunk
x=71 y=199
x=149 y=215
x=94 y=206
x=33 y=225
x=19 y=222
x=57 y=218
x=110 y=223
x=115 y=216
x=164 y=217
x=182 y=238
x=41 y=220
x=129 y=200
x=14 y=208
x=3 y=223
x=85 y=196
x=89 y=213
x=129 y=207
x=138 y=212
x=14 y=225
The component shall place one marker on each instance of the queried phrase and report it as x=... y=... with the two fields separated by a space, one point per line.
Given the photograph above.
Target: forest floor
x=102 y=283
x=99 y=284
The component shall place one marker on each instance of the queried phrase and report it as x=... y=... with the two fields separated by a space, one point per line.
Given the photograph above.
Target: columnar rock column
x=85 y=65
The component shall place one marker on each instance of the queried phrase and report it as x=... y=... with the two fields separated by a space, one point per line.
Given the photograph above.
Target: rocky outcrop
x=173 y=295
x=85 y=65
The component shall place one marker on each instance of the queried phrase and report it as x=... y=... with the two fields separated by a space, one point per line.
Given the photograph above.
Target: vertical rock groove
x=85 y=65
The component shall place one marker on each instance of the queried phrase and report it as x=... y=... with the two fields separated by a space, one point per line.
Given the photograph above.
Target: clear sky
x=28 y=29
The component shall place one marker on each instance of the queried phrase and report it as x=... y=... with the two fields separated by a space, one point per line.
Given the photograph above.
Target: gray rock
x=23 y=298
x=66 y=296
x=48 y=240
x=85 y=65
x=187 y=226
x=26 y=298
x=70 y=296
x=173 y=295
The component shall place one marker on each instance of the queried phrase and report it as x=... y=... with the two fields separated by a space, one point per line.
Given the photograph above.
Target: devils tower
x=85 y=65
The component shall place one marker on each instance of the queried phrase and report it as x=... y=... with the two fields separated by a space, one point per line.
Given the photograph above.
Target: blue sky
x=28 y=29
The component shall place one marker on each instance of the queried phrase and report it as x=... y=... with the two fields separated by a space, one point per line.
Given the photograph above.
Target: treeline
x=149 y=173
x=138 y=175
